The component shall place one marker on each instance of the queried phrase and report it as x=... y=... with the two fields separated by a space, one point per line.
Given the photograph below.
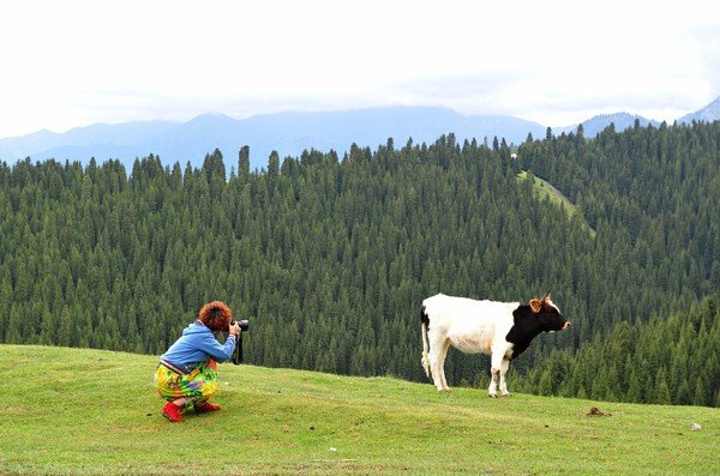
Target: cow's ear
x=535 y=305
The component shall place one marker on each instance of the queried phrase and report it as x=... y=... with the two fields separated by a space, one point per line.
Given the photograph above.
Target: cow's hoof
x=506 y=394
x=492 y=395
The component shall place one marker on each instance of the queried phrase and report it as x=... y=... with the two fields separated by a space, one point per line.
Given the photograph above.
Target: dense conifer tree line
x=331 y=256
x=665 y=361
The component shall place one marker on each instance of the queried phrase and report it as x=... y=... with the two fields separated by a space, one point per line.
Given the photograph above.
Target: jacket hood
x=196 y=327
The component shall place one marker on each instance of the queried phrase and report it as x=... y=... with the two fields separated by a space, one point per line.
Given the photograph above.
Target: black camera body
x=237 y=356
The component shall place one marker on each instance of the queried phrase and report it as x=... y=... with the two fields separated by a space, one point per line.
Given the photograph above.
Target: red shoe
x=207 y=407
x=172 y=412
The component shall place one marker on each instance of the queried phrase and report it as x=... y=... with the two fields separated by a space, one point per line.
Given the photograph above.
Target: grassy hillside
x=545 y=191
x=72 y=411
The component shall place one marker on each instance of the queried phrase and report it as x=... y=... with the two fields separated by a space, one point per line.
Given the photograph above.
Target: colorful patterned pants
x=197 y=386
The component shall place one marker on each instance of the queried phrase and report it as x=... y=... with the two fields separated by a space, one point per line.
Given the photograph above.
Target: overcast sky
x=73 y=63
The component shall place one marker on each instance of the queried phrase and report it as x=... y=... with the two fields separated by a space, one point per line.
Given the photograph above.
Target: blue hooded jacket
x=197 y=344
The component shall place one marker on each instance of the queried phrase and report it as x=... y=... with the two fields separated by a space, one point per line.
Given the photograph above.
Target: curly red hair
x=216 y=316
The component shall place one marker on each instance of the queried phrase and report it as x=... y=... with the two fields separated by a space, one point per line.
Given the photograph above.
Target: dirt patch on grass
x=595 y=411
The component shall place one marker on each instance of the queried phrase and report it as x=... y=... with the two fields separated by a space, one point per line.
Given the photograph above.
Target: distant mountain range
x=621 y=121
x=290 y=133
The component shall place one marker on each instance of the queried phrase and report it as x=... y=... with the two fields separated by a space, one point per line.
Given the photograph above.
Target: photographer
x=186 y=375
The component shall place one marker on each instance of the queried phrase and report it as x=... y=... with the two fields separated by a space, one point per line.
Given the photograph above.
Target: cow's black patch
x=424 y=317
x=527 y=325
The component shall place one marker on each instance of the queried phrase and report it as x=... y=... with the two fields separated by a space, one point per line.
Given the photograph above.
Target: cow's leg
x=495 y=368
x=442 y=368
x=438 y=351
x=504 y=366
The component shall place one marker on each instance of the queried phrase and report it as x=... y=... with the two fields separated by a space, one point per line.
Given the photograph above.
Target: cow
x=502 y=330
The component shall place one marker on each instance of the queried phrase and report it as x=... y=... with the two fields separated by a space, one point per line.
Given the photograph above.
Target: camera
x=237 y=356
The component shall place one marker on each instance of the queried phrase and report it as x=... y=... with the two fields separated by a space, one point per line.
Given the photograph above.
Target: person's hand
x=235 y=329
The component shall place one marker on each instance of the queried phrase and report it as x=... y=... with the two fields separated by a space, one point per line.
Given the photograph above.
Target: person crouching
x=187 y=373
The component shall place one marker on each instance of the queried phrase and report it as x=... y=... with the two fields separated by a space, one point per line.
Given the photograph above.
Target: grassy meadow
x=79 y=411
x=545 y=191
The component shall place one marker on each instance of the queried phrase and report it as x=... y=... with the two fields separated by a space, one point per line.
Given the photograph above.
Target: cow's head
x=548 y=315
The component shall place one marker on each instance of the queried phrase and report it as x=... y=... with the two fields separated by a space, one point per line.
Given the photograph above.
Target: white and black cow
x=502 y=330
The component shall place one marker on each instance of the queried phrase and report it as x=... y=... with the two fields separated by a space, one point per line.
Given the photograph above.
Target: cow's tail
x=425 y=324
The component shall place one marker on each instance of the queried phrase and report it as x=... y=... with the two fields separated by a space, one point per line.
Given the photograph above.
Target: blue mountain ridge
x=289 y=133
x=620 y=120
x=709 y=113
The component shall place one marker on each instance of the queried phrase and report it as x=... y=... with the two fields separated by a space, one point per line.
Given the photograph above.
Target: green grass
x=79 y=411
x=545 y=191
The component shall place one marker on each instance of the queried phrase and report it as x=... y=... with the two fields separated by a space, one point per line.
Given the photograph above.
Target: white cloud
x=76 y=62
